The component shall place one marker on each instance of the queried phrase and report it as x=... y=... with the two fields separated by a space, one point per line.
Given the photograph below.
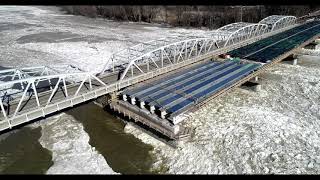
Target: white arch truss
x=25 y=72
x=148 y=56
x=15 y=94
x=241 y=31
x=122 y=57
x=275 y=22
x=155 y=54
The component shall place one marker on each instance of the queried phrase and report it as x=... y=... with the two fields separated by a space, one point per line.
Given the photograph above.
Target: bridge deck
x=269 y=48
x=187 y=86
x=175 y=93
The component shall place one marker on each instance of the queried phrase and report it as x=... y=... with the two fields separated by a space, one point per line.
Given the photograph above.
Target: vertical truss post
x=161 y=52
x=23 y=95
x=186 y=50
x=131 y=71
x=112 y=59
x=90 y=84
x=35 y=93
x=19 y=75
x=2 y=109
x=65 y=86
x=53 y=91
x=175 y=54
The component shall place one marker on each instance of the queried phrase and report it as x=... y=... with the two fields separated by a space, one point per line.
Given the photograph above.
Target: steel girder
x=171 y=53
x=21 y=73
x=278 y=21
x=178 y=48
x=41 y=80
x=121 y=58
x=241 y=31
x=17 y=84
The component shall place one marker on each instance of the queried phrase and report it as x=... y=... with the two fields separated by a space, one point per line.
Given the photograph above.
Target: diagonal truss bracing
x=170 y=50
x=31 y=92
x=275 y=22
x=29 y=88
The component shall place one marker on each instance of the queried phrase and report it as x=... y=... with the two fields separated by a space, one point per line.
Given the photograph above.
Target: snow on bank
x=273 y=131
x=33 y=36
x=71 y=152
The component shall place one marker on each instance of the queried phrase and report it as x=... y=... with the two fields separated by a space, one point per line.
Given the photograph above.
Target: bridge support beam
x=163 y=114
x=152 y=108
x=124 y=97
x=295 y=62
x=257 y=88
x=142 y=103
x=133 y=100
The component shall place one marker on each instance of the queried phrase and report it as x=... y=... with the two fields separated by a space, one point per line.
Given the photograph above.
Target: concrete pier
x=257 y=88
x=295 y=62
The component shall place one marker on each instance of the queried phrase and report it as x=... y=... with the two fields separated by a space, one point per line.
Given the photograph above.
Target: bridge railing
x=155 y=54
x=174 y=52
x=39 y=91
x=39 y=88
x=278 y=21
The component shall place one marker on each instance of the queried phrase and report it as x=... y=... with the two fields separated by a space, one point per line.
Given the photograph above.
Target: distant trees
x=90 y=11
x=189 y=16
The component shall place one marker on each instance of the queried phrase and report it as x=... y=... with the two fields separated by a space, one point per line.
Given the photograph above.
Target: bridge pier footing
x=295 y=62
x=106 y=99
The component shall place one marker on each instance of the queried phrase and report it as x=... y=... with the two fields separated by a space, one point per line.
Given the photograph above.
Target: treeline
x=194 y=16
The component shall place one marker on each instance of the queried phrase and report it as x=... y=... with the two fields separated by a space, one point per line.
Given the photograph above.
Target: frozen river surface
x=275 y=130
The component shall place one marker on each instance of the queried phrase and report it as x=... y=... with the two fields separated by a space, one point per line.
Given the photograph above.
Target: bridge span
x=167 y=76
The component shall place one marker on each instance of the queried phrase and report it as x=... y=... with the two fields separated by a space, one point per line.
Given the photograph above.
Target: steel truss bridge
x=30 y=93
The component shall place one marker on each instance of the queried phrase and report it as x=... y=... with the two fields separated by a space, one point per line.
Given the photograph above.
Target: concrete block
x=295 y=62
x=152 y=108
x=257 y=88
x=133 y=100
x=142 y=103
x=124 y=97
x=176 y=129
x=163 y=114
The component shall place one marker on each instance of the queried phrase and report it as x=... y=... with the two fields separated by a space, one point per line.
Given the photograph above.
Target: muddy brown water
x=21 y=152
x=123 y=152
